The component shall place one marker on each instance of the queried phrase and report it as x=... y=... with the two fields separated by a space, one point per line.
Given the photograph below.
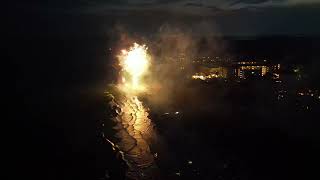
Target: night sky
x=221 y=17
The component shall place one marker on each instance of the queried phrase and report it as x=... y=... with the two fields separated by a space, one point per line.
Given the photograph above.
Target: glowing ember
x=135 y=63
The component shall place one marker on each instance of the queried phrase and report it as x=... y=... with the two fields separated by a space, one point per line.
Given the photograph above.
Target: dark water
x=228 y=134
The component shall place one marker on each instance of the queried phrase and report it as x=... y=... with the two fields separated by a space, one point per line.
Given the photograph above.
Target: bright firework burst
x=135 y=63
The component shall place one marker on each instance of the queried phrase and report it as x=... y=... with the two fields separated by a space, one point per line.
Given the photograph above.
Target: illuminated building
x=210 y=73
x=251 y=70
x=237 y=70
x=248 y=69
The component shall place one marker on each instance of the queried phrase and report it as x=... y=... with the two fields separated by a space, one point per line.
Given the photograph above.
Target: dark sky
x=222 y=17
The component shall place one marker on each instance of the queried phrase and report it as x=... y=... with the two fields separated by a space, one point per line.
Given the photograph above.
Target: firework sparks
x=134 y=63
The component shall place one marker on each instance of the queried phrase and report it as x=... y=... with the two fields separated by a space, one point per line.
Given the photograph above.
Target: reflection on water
x=134 y=133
